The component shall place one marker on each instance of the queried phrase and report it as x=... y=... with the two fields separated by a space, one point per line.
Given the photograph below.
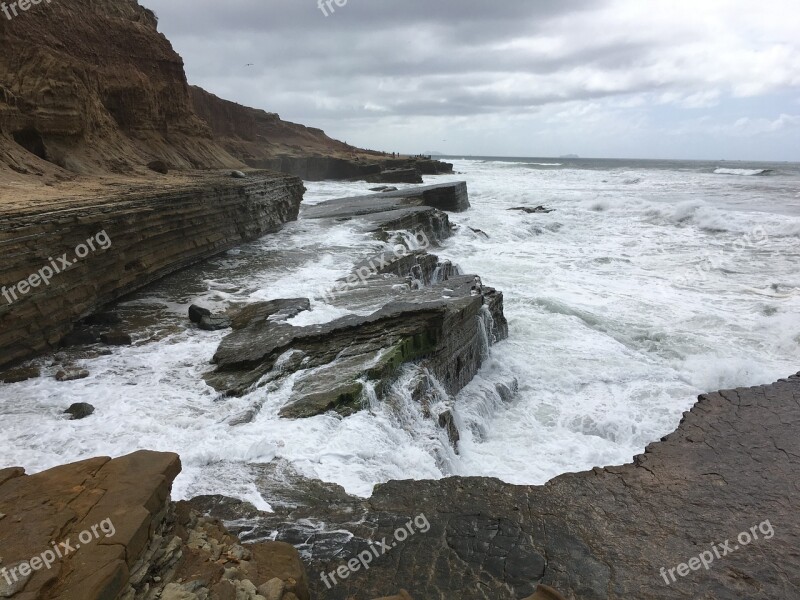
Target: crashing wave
x=742 y=172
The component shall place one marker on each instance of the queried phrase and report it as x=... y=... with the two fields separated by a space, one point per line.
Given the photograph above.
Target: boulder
x=273 y=589
x=72 y=374
x=238 y=175
x=21 y=374
x=79 y=410
x=196 y=313
x=437 y=326
x=116 y=338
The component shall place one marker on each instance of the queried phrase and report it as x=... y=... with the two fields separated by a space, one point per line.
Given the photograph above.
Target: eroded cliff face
x=146 y=232
x=91 y=86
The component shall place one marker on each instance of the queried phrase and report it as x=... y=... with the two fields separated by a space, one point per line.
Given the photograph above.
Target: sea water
x=648 y=284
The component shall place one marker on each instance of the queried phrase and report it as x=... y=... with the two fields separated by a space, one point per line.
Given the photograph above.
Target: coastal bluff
x=151 y=231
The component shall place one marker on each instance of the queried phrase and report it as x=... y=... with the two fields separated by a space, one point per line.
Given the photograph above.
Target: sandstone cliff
x=91 y=86
x=148 y=231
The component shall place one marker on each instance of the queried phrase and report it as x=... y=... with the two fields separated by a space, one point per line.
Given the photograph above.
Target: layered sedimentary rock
x=146 y=234
x=439 y=327
x=451 y=197
x=103 y=529
x=419 y=311
x=707 y=512
x=63 y=111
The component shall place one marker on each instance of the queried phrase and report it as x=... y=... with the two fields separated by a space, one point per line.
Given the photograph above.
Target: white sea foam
x=743 y=172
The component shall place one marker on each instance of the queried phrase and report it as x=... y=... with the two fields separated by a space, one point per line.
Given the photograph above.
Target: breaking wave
x=742 y=172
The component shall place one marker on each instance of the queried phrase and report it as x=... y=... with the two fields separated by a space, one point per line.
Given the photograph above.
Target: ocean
x=650 y=282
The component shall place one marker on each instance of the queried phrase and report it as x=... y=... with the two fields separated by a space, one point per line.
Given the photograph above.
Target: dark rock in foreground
x=721 y=489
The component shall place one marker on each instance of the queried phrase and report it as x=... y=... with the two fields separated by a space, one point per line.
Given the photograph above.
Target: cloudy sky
x=713 y=79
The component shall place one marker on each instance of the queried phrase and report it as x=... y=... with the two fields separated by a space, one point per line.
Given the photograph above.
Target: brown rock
x=72 y=374
x=18 y=375
x=273 y=589
x=116 y=503
x=282 y=561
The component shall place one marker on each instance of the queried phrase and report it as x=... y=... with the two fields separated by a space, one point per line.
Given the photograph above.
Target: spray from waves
x=742 y=172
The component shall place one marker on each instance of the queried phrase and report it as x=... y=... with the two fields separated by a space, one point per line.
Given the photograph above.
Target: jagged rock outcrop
x=405 y=175
x=103 y=529
x=423 y=312
x=452 y=197
x=718 y=492
x=147 y=232
x=446 y=335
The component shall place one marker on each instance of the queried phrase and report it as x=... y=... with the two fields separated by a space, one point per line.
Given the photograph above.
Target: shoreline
x=607 y=533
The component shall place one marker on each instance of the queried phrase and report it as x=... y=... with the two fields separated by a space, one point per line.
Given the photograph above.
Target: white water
x=646 y=287
x=743 y=172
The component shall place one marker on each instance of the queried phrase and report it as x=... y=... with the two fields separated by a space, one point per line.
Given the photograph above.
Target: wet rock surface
x=728 y=474
x=439 y=325
x=79 y=410
x=413 y=310
x=401 y=175
x=119 y=536
x=451 y=197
